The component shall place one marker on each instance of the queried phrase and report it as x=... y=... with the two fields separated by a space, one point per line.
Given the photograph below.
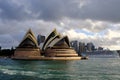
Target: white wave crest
x=14 y=72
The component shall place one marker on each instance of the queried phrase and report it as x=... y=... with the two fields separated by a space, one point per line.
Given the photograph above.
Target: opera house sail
x=52 y=35
x=28 y=47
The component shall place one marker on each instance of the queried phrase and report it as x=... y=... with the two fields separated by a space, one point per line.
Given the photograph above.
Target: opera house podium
x=28 y=47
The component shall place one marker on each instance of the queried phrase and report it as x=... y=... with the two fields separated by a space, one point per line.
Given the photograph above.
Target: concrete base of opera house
x=61 y=53
x=55 y=54
x=25 y=52
x=46 y=58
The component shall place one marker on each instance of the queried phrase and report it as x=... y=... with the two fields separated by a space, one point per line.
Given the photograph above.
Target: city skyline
x=95 y=21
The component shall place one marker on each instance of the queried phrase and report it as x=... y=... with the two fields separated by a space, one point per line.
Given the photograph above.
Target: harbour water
x=91 y=69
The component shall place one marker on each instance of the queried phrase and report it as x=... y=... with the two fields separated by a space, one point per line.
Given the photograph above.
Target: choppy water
x=92 y=69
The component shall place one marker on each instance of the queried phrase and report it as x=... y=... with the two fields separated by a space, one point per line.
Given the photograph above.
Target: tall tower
x=40 y=39
x=0 y=48
x=81 y=47
x=90 y=46
x=74 y=44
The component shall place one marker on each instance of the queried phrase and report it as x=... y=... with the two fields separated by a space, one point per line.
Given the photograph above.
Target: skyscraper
x=0 y=48
x=74 y=44
x=82 y=47
x=90 y=46
x=40 y=39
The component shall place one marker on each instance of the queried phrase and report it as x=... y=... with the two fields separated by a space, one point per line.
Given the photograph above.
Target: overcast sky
x=96 y=21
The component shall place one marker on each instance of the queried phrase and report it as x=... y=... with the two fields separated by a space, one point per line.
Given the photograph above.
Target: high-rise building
x=100 y=48
x=90 y=47
x=0 y=48
x=40 y=39
x=74 y=44
x=82 y=47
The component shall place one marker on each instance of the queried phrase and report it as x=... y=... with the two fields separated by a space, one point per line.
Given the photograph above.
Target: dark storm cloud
x=107 y=10
x=11 y=11
x=51 y=10
x=40 y=9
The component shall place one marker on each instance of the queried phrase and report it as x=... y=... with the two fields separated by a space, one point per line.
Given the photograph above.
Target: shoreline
x=46 y=58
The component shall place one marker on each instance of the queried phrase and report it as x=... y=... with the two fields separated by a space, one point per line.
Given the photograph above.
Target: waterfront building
x=90 y=47
x=50 y=38
x=74 y=44
x=0 y=48
x=58 y=47
x=40 y=39
x=55 y=47
x=82 y=47
x=28 y=46
x=100 y=48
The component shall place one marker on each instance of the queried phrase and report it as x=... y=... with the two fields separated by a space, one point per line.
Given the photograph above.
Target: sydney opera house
x=28 y=47
x=55 y=47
